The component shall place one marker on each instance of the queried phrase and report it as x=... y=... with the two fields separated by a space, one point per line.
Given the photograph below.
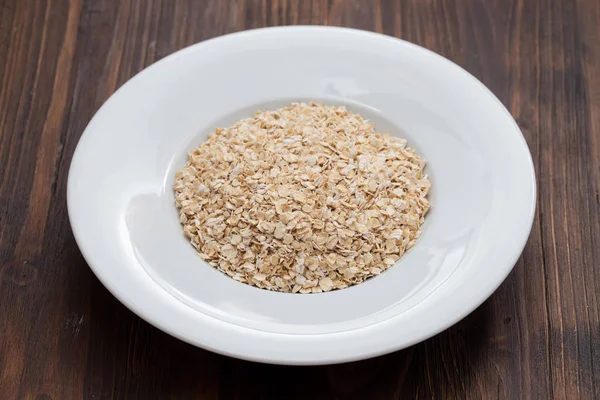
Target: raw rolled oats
x=303 y=199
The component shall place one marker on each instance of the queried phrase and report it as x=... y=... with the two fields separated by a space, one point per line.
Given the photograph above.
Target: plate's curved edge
x=285 y=359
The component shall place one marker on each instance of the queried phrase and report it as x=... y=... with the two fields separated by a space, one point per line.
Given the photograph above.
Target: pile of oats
x=306 y=198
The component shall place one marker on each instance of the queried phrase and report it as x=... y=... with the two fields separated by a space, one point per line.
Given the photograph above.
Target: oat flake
x=303 y=199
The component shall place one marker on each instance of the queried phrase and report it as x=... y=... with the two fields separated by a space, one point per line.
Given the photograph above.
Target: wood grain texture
x=63 y=336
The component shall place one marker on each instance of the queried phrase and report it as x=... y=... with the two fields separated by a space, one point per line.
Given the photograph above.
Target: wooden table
x=63 y=336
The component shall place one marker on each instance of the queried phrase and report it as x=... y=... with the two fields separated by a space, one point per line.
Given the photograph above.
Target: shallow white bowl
x=122 y=211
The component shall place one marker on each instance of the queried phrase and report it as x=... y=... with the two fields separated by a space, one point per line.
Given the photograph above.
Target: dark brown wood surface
x=63 y=336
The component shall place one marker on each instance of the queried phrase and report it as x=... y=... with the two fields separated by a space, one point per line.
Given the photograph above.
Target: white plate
x=121 y=204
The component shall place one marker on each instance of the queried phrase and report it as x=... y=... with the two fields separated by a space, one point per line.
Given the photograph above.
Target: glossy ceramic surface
x=122 y=207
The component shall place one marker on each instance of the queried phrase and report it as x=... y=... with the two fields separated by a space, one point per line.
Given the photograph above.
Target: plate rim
x=274 y=357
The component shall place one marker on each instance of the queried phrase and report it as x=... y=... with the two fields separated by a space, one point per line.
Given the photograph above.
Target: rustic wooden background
x=63 y=336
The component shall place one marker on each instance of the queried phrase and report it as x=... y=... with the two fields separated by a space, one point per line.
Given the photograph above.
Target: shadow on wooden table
x=120 y=354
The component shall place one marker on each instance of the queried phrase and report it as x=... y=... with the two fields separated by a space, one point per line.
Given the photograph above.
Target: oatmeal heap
x=306 y=198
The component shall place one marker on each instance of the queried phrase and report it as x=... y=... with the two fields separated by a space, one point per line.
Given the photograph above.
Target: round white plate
x=122 y=211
